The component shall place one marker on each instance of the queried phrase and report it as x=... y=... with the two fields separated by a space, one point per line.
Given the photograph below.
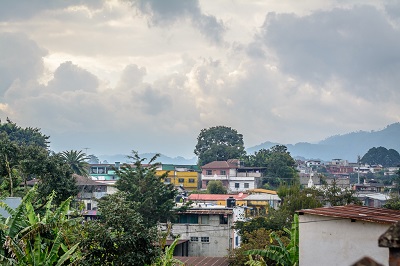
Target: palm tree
x=77 y=161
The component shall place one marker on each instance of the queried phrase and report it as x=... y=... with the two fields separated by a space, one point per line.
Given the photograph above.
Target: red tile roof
x=219 y=165
x=204 y=261
x=356 y=212
x=216 y=197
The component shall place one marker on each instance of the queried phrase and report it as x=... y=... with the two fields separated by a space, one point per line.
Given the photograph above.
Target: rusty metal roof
x=356 y=212
x=204 y=261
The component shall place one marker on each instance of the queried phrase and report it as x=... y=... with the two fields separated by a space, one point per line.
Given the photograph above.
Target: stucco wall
x=326 y=241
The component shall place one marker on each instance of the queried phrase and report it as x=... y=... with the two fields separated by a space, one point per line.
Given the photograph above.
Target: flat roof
x=208 y=211
x=356 y=212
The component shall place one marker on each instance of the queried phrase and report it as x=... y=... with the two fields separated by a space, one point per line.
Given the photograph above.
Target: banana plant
x=28 y=238
x=281 y=254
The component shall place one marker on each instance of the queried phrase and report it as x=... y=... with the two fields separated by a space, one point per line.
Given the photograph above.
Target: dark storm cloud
x=70 y=77
x=16 y=9
x=357 y=46
x=20 y=59
x=167 y=12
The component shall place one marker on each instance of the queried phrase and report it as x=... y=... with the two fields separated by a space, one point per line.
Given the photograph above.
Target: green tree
x=382 y=156
x=120 y=236
x=334 y=195
x=219 y=143
x=216 y=187
x=56 y=176
x=77 y=161
x=295 y=198
x=153 y=199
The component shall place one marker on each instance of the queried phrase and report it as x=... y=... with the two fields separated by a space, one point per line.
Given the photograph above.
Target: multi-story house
x=233 y=175
x=208 y=230
x=185 y=176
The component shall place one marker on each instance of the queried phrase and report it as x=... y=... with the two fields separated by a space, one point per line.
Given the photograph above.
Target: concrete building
x=233 y=175
x=341 y=235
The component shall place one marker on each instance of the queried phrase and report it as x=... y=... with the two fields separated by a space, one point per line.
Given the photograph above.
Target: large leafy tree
x=382 y=156
x=219 y=143
x=126 y=234
x=279 y=165
x=77 y=160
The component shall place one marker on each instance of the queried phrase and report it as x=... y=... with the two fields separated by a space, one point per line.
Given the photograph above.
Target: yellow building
x=186 y=176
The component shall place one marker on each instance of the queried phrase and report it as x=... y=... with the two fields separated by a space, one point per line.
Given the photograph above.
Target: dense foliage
x=382 y=156
x=216 y=187
x=219 y=143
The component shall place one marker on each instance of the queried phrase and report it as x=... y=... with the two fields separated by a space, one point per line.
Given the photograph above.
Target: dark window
x=237 y=185
x=246 y=185
x=181 y=180
x=167 y=180
x=188 y=219
x=223 y=172
x=194 y=238
x=89 y=206
x=208 y=172
x=205 y=239
x=223 y=219
x=191 y=180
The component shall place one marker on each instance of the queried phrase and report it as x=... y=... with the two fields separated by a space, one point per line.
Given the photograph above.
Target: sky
x=112 y=76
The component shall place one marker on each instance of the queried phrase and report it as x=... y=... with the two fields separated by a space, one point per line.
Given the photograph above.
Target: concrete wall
x=219 y=237
x=326 y=241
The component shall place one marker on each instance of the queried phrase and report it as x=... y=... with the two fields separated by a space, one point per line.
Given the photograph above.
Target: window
x=167 y=180
x=191 y=180
x=223 y=219
x=246 y=185
x=208 y=172
x=237 y=185
x=188 y=219
x=194 y=238
x=204 y=219
x=223 y=172
x=205 y=239
x=181 y=180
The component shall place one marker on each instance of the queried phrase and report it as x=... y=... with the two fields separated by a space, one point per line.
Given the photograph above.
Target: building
x=341 y=235
x=185 y=176
x=233 y=175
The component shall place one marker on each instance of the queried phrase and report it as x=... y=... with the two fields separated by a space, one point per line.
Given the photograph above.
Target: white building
x=341 y=235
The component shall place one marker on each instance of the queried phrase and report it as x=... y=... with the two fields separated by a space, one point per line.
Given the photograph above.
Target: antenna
x=86 y=150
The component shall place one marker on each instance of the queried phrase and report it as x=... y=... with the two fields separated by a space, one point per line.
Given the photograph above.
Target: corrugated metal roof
x=208 y=211
x=216 y=197
x=204 y=261
x=356 y=212
x=262 y=197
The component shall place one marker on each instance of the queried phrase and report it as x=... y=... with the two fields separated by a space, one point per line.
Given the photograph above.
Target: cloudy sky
x=148 y=75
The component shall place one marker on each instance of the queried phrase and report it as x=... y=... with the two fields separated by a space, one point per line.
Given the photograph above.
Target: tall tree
x=219 y=143
x=77 y=160
x=152 y=198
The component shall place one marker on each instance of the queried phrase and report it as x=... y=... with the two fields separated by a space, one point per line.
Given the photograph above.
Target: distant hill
x=347 y=146
x=162 y=159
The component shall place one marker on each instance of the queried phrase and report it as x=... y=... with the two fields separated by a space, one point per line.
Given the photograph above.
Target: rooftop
x=356 y=212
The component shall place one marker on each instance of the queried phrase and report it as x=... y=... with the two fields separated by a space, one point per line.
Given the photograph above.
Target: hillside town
x=261 y=208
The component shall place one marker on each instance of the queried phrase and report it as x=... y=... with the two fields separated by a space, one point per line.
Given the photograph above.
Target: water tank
x=230 y=202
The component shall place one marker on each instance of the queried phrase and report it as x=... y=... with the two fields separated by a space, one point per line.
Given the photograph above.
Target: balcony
x=214 y=177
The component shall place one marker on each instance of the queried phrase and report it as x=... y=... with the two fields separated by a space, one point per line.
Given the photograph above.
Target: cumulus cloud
x=358 y=46
x=162 y=13
x=20 y=59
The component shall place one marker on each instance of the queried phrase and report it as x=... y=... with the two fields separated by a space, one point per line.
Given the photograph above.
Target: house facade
x=233 y=175
x=341 y=235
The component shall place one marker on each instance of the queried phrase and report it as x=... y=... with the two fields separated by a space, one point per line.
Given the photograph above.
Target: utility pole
x=358 y=172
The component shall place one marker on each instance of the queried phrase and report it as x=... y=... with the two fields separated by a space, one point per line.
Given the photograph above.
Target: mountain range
x=347 y=147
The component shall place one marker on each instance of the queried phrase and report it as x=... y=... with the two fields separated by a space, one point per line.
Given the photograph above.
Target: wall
x=326 y=241
x=219 y=236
